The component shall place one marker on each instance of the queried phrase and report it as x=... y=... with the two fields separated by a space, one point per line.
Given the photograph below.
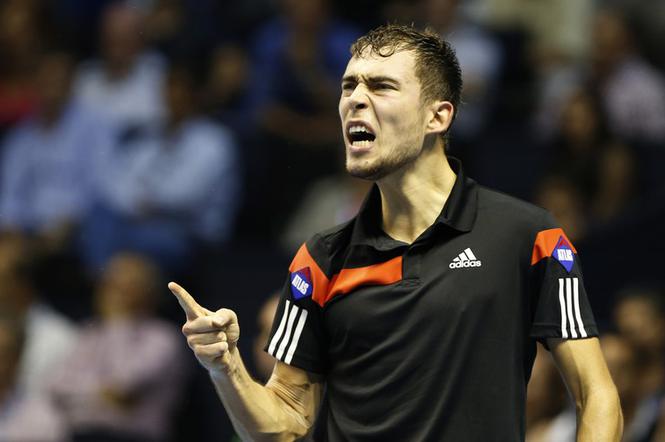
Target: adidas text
x=461 y=264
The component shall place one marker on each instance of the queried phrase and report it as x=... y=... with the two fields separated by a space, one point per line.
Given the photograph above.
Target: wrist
x=228 y=367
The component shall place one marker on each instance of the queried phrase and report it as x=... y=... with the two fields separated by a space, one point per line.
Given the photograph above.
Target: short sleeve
x=561 y=309
x=297 y=336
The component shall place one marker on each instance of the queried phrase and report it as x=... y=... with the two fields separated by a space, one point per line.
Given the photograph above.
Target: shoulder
x=508 y=212
x=151 y=62
x=210 y=128
x=90 y=68
x=204 y=134
x=20 y=137
x=329 y=246
x=42 y=318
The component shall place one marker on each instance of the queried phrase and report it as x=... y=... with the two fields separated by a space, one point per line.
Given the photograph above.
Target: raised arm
x=282 y=410
x=585 y=373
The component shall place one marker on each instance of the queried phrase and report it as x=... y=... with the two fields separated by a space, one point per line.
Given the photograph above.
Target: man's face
x=641 y=324
x=383 y=118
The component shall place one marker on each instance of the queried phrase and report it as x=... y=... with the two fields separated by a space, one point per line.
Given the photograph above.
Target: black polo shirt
x=434 y=340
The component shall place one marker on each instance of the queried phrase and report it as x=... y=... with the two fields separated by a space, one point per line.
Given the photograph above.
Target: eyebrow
x=371 y=79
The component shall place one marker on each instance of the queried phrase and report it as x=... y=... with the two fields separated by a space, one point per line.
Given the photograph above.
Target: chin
x=366 y=171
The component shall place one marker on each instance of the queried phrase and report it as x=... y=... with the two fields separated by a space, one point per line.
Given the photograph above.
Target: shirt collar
x=459 y=211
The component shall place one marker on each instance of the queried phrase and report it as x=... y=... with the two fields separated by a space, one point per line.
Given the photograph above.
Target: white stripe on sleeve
x=287 y=335
x=562 y=303
x=296 y=336
x=569 y=306
x=576 y=302
x=280 y=329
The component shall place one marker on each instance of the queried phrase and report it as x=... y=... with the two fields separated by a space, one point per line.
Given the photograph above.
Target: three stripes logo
x=569 y=301
x=285 y=341
x=465 y=259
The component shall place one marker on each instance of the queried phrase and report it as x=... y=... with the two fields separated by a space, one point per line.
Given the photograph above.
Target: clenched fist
x=211 y=335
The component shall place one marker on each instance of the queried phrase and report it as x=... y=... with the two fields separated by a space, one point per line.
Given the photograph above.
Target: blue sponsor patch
x=301 y=283
x=563 y=253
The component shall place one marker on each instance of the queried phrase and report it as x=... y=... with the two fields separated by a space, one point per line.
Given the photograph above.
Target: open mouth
x=360 y=136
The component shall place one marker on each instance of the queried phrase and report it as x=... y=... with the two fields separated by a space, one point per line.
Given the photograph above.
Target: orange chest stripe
x=546 y=241
x=347 y=280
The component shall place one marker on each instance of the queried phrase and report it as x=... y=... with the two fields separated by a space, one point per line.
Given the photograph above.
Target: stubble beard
x=377 y=168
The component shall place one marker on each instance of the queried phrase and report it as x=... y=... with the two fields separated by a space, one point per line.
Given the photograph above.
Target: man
x=124 y=379
x=24 y=415
x=49 y=335
x=420 y=316
x=46 y=183
x=137 y=209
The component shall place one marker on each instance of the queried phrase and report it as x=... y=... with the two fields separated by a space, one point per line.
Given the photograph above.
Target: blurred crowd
x=198 y=140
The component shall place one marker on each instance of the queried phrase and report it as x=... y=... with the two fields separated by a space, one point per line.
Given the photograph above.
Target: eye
x=382 y=86
x=348 y=86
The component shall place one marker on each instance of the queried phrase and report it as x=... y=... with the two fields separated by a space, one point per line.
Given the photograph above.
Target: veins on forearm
x=295 y=397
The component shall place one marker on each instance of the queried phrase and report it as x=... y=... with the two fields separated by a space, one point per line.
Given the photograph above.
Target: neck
x=413 y=197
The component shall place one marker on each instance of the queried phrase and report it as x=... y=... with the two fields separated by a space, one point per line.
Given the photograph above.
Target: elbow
x=601 y=409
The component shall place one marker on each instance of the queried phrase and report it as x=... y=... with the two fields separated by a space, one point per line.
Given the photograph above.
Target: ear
x=440 y=116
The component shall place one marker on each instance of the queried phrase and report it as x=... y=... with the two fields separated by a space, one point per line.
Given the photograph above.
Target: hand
x=213 y=336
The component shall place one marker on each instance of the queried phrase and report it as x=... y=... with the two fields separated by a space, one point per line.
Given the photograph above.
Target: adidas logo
x=465 y=259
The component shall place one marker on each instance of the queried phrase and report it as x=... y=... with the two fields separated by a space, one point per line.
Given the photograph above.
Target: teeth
x=364 y=143
x=357 y=129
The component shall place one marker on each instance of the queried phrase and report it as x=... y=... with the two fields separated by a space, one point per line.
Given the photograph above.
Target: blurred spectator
x=601 y=171
x=21 y=30
x=49 y=336
x=123 y=380
x=564 y=200
x=226 y=89
x=557 y=28
x=549 y=415
x=164 y=24
x=617 y=184
x=23 y=417
x=126 y=83
x=329 y=201
x=639 y=315
x=46 y=167
x=580 y=138
x=299 y=59
x=167 y=191
x=648 y=20
x=633 y=91
x=480 y=58
x=639 y=414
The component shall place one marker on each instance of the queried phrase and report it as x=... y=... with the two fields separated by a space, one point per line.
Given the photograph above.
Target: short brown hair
x=437 y=66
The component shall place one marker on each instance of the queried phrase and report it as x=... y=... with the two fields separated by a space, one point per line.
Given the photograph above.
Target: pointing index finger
x=192 y=309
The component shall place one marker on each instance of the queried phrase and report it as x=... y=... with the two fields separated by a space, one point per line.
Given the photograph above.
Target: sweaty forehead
x=400 y=65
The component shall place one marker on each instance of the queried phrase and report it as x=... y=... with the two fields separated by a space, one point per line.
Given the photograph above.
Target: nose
x=358 y=98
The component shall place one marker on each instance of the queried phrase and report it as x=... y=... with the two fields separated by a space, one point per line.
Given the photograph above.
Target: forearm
x=282 y=410
x=600 y=418
x=258 y=412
